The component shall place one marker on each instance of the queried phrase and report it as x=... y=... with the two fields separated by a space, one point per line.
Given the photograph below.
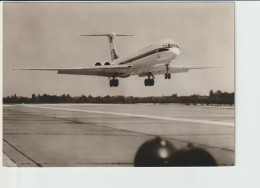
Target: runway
x=110 y=134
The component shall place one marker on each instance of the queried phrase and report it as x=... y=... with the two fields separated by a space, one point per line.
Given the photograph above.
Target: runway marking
x=7 y=162
x=227 y=124
x=22 y=153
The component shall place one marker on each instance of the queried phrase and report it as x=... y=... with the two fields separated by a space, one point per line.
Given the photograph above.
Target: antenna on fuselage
x=113 y=51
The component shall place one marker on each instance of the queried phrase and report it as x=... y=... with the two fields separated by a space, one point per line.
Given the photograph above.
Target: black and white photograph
x=118 y=84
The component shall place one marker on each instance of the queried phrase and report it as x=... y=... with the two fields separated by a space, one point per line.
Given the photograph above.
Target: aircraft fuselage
x=161 y=53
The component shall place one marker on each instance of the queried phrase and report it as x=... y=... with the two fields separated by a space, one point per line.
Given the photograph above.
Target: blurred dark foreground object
x=161 y=153
x=154 y=153
x=193 y=157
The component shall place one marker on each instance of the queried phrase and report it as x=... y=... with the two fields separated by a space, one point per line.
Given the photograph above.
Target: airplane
x=155 y=59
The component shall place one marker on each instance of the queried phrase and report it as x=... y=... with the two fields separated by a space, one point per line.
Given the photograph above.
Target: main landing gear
x=167 y=75
x=149 y=81
x=114 y=82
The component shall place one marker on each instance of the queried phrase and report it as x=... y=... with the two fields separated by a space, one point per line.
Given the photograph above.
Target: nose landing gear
x=167 y=75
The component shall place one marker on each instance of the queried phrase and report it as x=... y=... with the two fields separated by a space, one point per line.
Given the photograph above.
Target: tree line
x=217 y=97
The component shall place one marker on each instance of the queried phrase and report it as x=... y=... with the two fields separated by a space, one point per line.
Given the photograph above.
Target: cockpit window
x=169 y=45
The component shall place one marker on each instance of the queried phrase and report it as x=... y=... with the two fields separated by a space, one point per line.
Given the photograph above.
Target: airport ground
x=61 y=135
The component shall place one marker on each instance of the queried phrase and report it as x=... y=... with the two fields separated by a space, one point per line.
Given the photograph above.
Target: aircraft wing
x=106 y=70
x=156 y=70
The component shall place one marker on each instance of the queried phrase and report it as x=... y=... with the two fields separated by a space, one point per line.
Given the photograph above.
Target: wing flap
x=107 y=71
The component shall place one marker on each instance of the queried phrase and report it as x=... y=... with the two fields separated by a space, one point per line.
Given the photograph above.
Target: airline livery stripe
x=144 y=55
x=220 y=123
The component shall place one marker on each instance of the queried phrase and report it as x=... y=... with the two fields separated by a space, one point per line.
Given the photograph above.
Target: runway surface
x=110 y=134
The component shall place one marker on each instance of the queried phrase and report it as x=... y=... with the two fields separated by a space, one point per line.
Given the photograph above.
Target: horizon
x=115 y=95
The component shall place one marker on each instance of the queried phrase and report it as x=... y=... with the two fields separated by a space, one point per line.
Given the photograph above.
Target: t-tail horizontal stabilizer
x=113 y=51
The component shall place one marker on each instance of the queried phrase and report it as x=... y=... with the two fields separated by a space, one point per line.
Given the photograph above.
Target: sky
x=47 y=35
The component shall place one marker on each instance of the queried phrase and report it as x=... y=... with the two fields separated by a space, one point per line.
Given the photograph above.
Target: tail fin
x=113 y=51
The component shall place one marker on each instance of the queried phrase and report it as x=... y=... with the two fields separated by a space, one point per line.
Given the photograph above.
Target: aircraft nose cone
x=176 y=51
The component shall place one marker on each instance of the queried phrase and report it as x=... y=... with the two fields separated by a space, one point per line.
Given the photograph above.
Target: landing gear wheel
x=116 y=83
x=146 y=82
x=149 y=82
x=113 y=83
x=167 y=76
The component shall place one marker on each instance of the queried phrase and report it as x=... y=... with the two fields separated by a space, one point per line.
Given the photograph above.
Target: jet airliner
x=152 y=60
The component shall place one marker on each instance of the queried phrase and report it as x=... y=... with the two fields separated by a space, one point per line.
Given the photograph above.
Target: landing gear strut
x=114 y=82
x=167 y=75
x=149 y=81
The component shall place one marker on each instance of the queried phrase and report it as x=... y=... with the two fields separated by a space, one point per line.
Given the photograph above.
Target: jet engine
x=107 y=63
x=98 y=64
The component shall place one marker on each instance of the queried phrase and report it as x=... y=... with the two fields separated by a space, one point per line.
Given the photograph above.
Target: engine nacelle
x=98 y=64
x=107 y=63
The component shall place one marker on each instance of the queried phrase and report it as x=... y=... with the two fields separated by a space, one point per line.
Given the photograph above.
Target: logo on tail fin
x=113 y=54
